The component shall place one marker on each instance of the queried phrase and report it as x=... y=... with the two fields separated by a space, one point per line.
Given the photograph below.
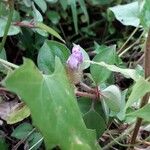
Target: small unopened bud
x=74 y=61
x=76 y=58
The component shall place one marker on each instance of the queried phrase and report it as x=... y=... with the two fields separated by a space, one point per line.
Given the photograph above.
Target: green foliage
x=128 y=73
x=47 y=53
x=26 y=131
x=94 y=121
x=140 y=88
x=74 y=14
x=99 y=73
x=62 y=115
x=3 y=145
x=112 y=97
x=84 y=104
x=127 y=14
x=41 y=4
x=141 y=113
x=22 y=131
x=53 y=16
x=18 y=115
x=145 y=15
x=49 y=30
x=12 y=30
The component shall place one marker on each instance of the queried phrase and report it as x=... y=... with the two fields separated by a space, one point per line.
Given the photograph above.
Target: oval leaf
x=112 y=97
x=47 y=53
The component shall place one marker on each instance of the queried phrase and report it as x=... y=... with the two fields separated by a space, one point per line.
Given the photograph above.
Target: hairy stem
x=145 y=99
x=10 y=16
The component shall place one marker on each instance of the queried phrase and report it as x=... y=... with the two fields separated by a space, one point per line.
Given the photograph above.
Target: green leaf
x=128 y=73
x=140 y=88
x=13 y=30
x=33 y=139
x=83 y=7
x=22 y=131
x=94 y=121
x=41 y=4
x=18 y=115
x=64 y=4
x=86 y=57
x=3 y=56
x=145 y=15
x=99 y=2
x=47 y=53
x=127 y=14
x=52 y=1
x=53 y=16
x=36 y=14
x=84 y=104
x=3 y=145
x=53 y=106
x=27 y=3
x=112 y=97
x=74 y=14
x=141 y=113
x=49 y=30
x=100 y=73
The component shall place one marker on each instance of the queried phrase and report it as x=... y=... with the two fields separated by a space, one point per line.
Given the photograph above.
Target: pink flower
x=76 y=58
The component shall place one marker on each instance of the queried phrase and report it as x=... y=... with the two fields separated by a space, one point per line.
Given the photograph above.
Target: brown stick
x=24 y=24
x=145 y=99
x=85 y=94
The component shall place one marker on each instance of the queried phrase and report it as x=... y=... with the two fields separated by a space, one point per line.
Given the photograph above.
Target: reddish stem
x=24 y=24
x=85 y=94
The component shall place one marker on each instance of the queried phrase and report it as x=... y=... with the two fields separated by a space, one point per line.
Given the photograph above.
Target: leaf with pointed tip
x=141 y=113
x=47 y=53
x=53 y=106
x=128 y=73
x=140 y=88
x=127 y=14
x=94 y=121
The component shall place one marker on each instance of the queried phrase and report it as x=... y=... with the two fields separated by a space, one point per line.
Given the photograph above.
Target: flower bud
x=76 y=58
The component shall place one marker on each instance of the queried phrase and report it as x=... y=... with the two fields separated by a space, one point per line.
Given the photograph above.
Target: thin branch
x=145 y=99
x=121 y=137
x=85 y=94
x=87 y=88
x=25 y=24
x=134 y=31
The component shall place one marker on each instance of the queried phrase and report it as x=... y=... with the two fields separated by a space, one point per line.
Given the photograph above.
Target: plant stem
x=85 y=94
x=121 y=137
x=145 y=99
x=8 y=64
x=87 y=88
x=136 y=42
x=134 y=31
x=10 y=16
